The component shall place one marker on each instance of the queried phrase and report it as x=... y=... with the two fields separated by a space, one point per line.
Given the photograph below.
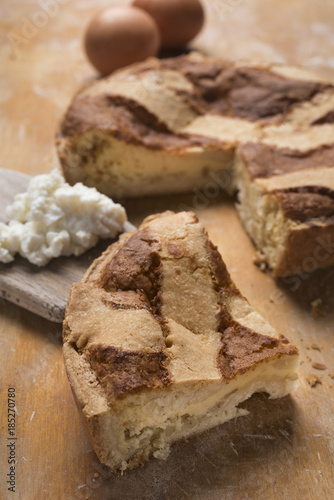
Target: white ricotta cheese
x=53 y=218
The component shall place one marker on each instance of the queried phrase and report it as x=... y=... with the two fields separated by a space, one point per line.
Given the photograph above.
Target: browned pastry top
x=210 y=86
x=121 y=371
x=159 y=307
x=263 y=160
x=326 y=118
x=310 y=202
x=126 y=120
x=241 y=92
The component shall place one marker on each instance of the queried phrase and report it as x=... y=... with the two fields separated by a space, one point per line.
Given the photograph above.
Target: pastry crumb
x=312 y=379
x=317 y=308
x=315 y=347
x=319 y=366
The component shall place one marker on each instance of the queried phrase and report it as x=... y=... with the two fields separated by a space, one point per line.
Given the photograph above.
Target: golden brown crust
x=135 y=266
x=242 y=349
x=253 y=94
x=308 y=247
x=142 y=275
x=128 y=121
x=326 y=118
x=121 y=372
x=219 y=88
x=264 y=161
x=220 y=275
x=240 y=92
x=305 y=203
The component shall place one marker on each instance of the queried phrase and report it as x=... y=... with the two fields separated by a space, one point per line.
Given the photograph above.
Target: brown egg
x=118 y=36
x=179 y=21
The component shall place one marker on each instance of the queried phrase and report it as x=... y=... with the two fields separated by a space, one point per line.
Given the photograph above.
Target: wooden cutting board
x=42 y=290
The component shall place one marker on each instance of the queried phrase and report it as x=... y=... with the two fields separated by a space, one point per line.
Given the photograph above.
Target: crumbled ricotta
x=53 y=218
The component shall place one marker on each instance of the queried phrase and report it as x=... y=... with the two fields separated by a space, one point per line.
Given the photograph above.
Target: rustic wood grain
x=284 y=448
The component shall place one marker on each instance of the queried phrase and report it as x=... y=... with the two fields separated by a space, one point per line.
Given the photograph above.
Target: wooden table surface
x=284 y=448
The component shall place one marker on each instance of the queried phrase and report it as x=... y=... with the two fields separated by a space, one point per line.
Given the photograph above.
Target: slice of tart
x=160 y=345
